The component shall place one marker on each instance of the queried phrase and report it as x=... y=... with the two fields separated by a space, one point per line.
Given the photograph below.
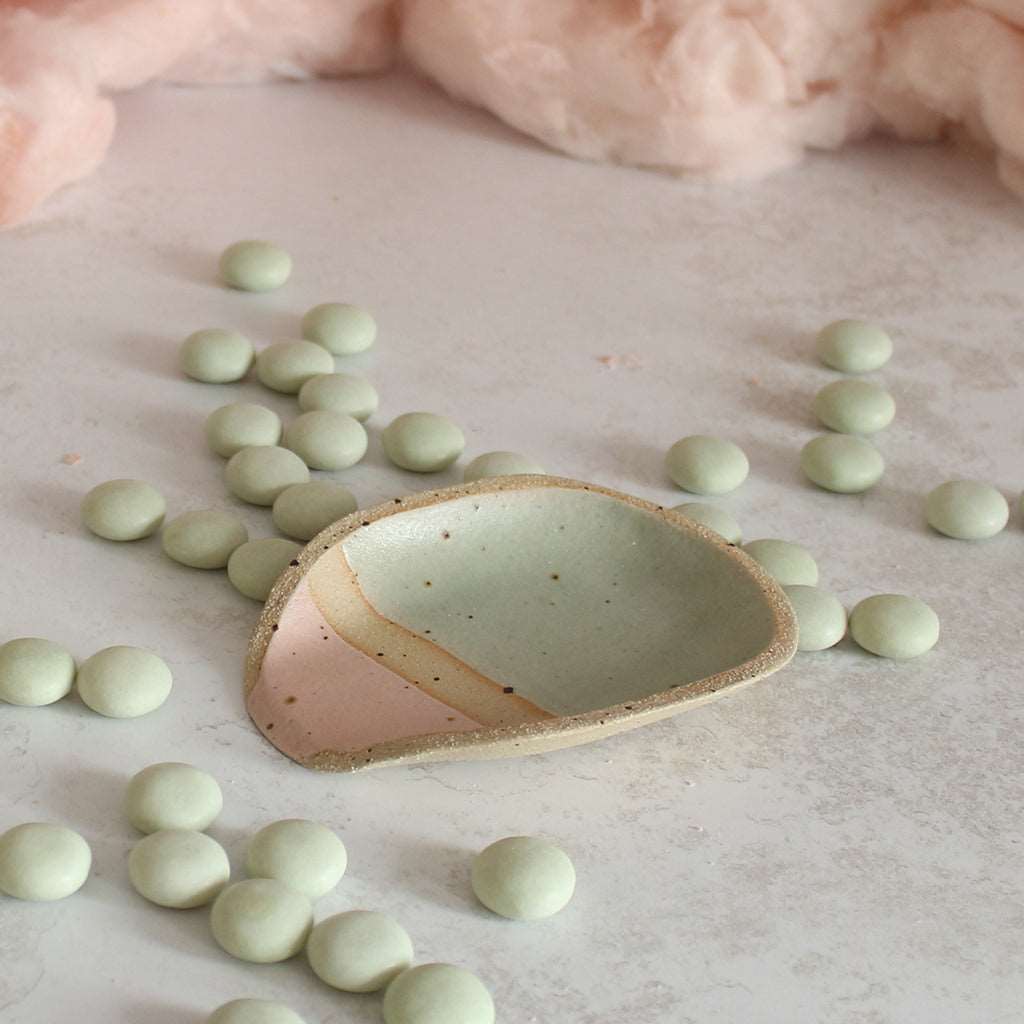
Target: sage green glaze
x=303 y=510
x=841 y=463
x=707 y=465
x=255 y=266
x=894 y=626
x=423 y=442
x=240 y=425
x=203 y=539
x=172 y=795
x=254 y=1011
x=178 y=868
x=341 y=328
x=286 y=366
x=34 y=672
x=854 y=346
x=967 y=510
x=261 y=920
x=523 y=878
x=340 y=392
x=820 y=617
x=438 y=994
x=124 y=682
x=43 y=862
x=259 y=475
x=123 y=510
x=854 y=407
x=359 y=951
x=500 y=464
x=305 y=855
x=325 y=439
x=789 y=563
x=254 y=567
x=216 y=356
x=713 y=517
x=575 y=598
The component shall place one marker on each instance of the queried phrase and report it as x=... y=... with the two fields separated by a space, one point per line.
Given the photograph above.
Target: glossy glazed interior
x=504 y=605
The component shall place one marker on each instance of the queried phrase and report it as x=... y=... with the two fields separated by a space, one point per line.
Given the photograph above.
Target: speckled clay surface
x=391 y=639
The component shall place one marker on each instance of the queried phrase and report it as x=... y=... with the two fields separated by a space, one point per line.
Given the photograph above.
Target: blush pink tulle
x=719 y=88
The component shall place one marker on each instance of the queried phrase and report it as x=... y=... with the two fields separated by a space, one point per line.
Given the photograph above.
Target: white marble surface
x=840 y=843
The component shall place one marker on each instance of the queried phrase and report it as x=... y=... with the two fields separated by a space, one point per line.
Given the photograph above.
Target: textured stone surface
x=839 y=843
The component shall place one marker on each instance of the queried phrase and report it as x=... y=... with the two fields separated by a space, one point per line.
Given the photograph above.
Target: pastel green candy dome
x=842 y=463
x=254 y=1012
x=254 y=265
x=42 y=862
x=216 y=356
x=341 y=328
x=438 y=994
x=203 y=539
x=258 y=475
x=854 y=346
x=790 y=564
x=423 y=442
x=123 y=510
x=325 y=439
x=714 y=518
x=255 y=566
x=820 y=617
x=707 y=465
x=967 y=510
x=894 y=626
x=523 y=878
x=854 y=407
x=240 y=425
x=500 y=464
x=340 y=392
x=287 y=365
x=303 y=510
x=34 y=672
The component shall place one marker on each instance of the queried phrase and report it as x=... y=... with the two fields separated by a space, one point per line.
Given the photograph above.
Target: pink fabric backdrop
x=719 y=88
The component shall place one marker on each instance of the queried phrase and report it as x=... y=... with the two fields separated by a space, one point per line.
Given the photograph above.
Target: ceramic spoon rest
x=508 y=616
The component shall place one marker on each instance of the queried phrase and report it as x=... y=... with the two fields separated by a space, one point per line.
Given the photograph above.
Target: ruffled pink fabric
x=720 y=88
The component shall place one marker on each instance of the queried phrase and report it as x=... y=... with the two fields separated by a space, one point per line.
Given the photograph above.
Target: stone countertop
x=841 y=842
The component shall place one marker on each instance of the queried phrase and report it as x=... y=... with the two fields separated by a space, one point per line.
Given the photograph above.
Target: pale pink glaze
x=345 y=700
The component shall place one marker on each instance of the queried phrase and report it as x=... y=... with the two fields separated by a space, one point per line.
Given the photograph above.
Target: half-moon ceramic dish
x=508 y=616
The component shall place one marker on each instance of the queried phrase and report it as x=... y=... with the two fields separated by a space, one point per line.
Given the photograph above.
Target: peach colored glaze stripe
x=343 y=700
